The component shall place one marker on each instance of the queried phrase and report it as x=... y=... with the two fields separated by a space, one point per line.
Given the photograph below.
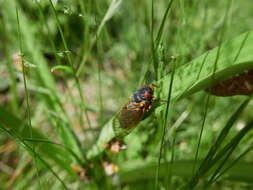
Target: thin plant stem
x=26 y=94
x=83 y=105
x=201 y=133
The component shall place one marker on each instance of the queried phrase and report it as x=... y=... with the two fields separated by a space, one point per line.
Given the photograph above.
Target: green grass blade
x=225 y=132
x=132 y=172
x=78 y=160
x=229 y=149
x=113 y=7
x=6 y=129
x=165 y=122
x=18 y=128
x=83 y=104
x=201 y=130
x=233 y=163
x=208 y=162
x=65 y=130
x=161 y=28
x=26 y=95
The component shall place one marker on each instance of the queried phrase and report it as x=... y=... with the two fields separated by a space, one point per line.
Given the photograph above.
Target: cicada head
x=144 y=94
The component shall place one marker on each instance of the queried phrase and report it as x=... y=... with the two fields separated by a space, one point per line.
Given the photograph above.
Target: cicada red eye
x=146 y=95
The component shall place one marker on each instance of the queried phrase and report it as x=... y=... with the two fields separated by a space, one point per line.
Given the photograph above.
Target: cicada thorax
x=133 y=112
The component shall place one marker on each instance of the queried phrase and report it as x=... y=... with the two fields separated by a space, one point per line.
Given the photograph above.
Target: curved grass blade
x=17 y=127
x=6 y=129
x=209 y=162
x=232 y=164
x=77 y=159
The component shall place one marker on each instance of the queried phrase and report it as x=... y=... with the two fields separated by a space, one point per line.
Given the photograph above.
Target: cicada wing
x=129 y=118
x=126 y=120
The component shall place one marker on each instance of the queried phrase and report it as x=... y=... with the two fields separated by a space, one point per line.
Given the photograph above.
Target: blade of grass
x=161 y=28
x=87 y=24
x=131 y=172
x=165 y=123
x=113 y=7
x=19 y=128
x=234 y=142
x=232 y=164
x=27 y=96
x=220 y=166
x=157 y=42
x=41 y=74
x=223 y=134
x=172 y=160
x=78 y=160
x=29 y=149
x=76 y=144
x=99 y=96
x=208 y=162
x=152 y=38
x=83 y=104
x=229 y=149
x=201 y=132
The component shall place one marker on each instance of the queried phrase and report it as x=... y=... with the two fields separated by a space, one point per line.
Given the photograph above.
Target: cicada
x=238 y=85
x=133 y=112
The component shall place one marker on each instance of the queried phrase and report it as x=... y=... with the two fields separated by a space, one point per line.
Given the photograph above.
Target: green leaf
x=62 y=67
x=132 y=172
x=235 y=57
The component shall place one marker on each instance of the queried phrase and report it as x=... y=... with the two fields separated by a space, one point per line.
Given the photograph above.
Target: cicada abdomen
x=133 y=112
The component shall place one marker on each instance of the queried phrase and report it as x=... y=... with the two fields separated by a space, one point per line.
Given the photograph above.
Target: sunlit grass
x=86 y=58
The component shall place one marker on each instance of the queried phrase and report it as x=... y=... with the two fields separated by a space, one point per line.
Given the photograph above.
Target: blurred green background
x=108 y=43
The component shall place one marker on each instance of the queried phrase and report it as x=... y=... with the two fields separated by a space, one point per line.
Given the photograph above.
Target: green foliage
x=81 y=62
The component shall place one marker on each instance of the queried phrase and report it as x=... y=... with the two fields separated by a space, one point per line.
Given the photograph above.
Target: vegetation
x=68 y=67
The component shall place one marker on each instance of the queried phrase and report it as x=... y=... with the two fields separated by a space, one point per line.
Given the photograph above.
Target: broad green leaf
x=235 y=57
